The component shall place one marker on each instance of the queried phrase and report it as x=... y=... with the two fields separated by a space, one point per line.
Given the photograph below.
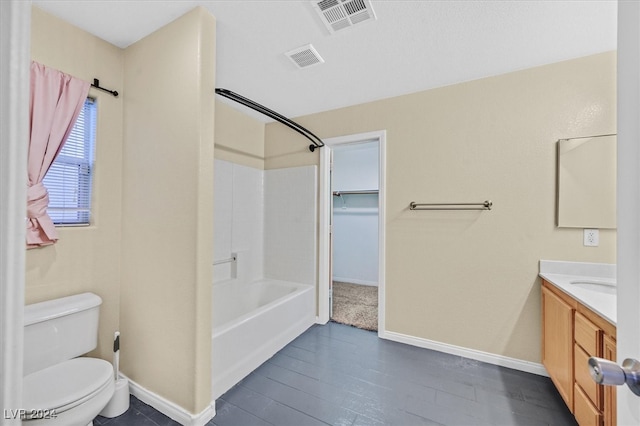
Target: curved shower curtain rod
x=316 y=141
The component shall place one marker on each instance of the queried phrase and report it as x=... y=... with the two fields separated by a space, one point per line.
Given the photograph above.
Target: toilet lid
x=65 y=385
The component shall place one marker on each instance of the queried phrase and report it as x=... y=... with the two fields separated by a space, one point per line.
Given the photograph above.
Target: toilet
x=59 y=386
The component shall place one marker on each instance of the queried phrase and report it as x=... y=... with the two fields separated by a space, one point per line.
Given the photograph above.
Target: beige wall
x=148 y=251
x=239 y=138
x=470 y=278
x=167 y=235
x=85 y=258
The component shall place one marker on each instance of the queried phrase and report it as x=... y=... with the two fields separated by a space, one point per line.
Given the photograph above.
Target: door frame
x=324 y=247
x=16 y=30
x=628 y=198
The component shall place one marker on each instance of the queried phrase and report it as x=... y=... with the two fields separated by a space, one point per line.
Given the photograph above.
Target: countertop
x=561 y=274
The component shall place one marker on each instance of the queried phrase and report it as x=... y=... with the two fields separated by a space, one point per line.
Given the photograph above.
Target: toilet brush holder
x=119 y=402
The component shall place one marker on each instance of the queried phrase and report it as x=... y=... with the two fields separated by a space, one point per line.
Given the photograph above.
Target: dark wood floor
x=340 y=375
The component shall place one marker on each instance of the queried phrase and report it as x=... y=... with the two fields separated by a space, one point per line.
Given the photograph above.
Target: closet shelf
x=354 y=192
x=355 y=211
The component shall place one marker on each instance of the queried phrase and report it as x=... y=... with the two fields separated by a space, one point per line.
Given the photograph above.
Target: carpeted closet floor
x=355 y=305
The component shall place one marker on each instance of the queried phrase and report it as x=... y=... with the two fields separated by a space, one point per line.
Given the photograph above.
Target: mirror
x=587 y=182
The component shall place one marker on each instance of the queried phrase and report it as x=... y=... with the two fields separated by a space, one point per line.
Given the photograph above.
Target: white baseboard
x=170 y=409
x=503 y=361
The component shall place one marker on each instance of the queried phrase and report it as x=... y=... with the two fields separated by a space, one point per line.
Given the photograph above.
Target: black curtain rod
x=316 y=141
x=96 y=84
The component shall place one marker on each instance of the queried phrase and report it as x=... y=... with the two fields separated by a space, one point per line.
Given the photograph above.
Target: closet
x=355 y=213
x=355 y=185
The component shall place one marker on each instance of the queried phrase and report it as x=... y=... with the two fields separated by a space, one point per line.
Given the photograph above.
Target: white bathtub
x=251 y=322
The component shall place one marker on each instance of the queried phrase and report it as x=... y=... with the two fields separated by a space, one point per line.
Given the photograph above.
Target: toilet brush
x=119 y=402
x=116 y=354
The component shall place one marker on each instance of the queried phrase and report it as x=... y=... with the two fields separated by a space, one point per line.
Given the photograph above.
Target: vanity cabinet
x=571 y=333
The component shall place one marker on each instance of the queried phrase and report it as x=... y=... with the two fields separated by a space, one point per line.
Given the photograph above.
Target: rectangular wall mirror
x=587 y=182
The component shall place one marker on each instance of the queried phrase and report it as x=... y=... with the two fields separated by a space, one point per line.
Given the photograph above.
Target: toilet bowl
x=70 y=393
x=59 y=387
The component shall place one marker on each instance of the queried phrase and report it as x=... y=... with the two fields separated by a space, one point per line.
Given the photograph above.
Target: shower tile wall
x=247 y=233
x=238 y=218
x=222 y=217
x=290 y=224
x=269 y=219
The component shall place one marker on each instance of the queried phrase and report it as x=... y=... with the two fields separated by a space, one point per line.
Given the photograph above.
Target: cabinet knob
x=609 y=373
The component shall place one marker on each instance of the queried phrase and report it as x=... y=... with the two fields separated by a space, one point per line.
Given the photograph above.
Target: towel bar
x=486 y=205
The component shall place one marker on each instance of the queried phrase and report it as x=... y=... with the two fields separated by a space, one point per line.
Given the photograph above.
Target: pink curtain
x=56 y=101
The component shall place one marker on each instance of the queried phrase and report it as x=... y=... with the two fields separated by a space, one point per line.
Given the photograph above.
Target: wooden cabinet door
x=557 y=343
x=609 y=352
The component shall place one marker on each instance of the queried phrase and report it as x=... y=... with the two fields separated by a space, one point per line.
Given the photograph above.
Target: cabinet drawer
x=609 y=392
x=583 y=378
x=587 y=335
x=583 y=410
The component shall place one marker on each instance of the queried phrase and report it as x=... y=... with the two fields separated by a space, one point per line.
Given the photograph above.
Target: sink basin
x=606 y=287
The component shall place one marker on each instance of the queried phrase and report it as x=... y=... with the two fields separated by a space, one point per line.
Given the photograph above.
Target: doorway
x=352 y=228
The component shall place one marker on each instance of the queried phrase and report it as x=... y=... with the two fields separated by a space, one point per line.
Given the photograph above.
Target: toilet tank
x=60 y=329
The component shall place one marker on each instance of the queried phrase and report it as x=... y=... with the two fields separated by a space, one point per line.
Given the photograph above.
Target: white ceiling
x=412 y=46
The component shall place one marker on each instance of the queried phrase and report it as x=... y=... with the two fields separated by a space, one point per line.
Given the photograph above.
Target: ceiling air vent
x=340 y=14
x=305 y=56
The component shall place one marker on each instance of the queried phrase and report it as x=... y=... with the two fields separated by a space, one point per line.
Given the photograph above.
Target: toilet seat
x=66 y=385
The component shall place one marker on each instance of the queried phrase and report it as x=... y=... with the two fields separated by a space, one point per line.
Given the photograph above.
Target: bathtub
x=251 y=322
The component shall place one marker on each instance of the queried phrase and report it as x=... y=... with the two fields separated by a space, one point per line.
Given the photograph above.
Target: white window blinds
x=69 y=178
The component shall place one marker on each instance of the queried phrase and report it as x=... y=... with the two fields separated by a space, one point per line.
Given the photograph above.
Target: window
x=69 y=178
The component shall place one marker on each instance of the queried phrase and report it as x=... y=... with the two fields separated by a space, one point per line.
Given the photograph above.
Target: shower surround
x=265 y=232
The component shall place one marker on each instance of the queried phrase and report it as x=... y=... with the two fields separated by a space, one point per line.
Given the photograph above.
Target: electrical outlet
x=591 y=238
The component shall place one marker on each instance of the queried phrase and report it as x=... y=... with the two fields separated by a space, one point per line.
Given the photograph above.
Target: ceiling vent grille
x=340 y=14
x=305 y=56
